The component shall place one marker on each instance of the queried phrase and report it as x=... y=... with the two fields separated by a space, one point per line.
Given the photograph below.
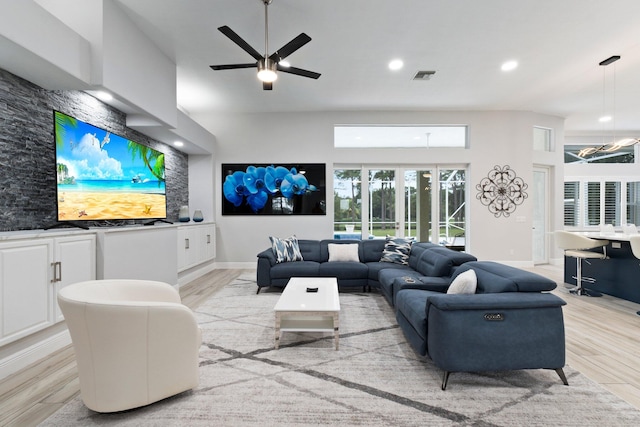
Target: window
x=575 y=154
x=571 y=203
x=347 y=195
x=542 y=139
x=612 y=203
x=442 y=136
x=452 y=204
x=633 y=203
x=602 y=202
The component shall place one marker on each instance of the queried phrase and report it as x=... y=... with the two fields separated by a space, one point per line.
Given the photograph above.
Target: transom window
x=431 y=136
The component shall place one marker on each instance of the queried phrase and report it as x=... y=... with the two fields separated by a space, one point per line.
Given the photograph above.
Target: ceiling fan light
x=267 y=70
x=267 y=76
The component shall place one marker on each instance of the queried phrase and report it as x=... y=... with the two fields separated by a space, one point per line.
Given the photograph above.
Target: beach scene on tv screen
x=103 y=176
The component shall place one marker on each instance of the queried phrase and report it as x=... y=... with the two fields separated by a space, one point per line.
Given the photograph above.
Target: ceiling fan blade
x=267 y=86
x=298 y=72
x=240 y=42
x=233 y=66
x=290 y=47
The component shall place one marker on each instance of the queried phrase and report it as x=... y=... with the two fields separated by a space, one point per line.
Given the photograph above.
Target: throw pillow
x=343 y=252
x=286 y=249
x=464 y=283
x=397 y=250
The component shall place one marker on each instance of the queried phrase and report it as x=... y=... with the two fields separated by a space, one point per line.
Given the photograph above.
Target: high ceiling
x=558 y=45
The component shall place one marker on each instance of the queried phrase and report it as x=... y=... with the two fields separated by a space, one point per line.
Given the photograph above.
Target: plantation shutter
x=592 y=197
x=571 y=203
x=612 y=203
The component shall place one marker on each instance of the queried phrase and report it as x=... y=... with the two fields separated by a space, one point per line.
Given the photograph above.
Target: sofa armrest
x=492 y=332
x=426 y=283
x=268 y=255
x=505 y=300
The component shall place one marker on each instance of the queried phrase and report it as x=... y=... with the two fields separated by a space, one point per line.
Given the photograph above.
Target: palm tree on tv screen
x=153 y=160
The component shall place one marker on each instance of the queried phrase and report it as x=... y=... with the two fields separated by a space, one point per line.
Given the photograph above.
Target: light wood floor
x=603 y=342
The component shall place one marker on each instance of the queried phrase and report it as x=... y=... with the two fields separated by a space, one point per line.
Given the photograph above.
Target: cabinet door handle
x=186 y=243
x=57 y=271
x=208 y=238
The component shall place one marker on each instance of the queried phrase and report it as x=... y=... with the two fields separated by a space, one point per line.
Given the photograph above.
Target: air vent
x=423 y=75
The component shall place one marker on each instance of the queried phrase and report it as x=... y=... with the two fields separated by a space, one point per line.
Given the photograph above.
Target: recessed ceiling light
x=178 y=143
x=396 y=64
x=509 y=66
x=104 y=96
x=605 y=119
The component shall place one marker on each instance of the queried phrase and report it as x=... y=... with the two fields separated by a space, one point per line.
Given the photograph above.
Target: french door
x=428 y=203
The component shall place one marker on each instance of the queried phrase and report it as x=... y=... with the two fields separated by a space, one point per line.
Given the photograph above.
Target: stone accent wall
x=27 y=152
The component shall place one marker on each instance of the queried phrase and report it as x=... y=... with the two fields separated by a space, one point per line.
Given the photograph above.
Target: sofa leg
x=445 y=379
x=258 y=290
x=562 y=376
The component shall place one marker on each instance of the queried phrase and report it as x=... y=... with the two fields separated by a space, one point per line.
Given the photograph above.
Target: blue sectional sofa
x=425 y=259
x=511 y=322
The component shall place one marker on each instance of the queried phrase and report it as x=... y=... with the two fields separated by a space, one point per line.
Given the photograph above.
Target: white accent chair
x=630 y=229
x=135 y=343
x=575 y=245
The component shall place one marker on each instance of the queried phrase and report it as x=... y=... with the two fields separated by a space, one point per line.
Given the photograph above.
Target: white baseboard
x=23 y=358
x=194 y=273
x=237 y=265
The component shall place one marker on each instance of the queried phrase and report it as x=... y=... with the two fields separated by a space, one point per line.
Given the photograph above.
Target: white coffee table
x=300 y=311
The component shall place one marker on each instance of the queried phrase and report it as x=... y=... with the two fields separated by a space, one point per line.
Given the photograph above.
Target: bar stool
x=634 y=240
x=575 y=245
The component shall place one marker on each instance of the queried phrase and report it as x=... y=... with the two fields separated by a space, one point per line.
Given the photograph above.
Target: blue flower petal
x=233 y=192
x=257 y=201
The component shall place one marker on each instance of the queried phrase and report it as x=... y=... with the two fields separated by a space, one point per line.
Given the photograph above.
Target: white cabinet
x=196 y=244
x=144 y=253
x=75 y=261
x=31 y=273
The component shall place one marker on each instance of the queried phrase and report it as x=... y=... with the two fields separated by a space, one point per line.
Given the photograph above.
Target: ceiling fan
x=268 y=65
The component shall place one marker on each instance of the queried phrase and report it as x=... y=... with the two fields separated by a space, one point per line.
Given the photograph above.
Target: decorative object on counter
x=183 y=214
x=501 y=191
x=197 y=215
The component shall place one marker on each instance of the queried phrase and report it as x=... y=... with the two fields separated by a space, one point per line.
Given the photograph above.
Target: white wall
x=496 y=138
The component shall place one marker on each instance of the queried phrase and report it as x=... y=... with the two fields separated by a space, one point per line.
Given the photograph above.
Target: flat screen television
x=103 y=177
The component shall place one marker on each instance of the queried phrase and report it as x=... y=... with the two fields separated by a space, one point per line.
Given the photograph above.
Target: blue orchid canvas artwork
x=274 y=189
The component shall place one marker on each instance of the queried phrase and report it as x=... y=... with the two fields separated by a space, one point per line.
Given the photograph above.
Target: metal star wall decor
x=501 y=191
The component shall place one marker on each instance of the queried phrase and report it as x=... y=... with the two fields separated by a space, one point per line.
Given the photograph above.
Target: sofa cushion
x=348 y=253
x=286 y=270
x=371 y=250
x=412 y=303
x=494 y=277
x=464 y=283
x=343 y=270
x=310 y=250
x=417 y=249
x=285 y=250
x=396 y=250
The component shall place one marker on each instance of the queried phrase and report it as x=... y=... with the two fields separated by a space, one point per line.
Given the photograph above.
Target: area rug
x=374 y=379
